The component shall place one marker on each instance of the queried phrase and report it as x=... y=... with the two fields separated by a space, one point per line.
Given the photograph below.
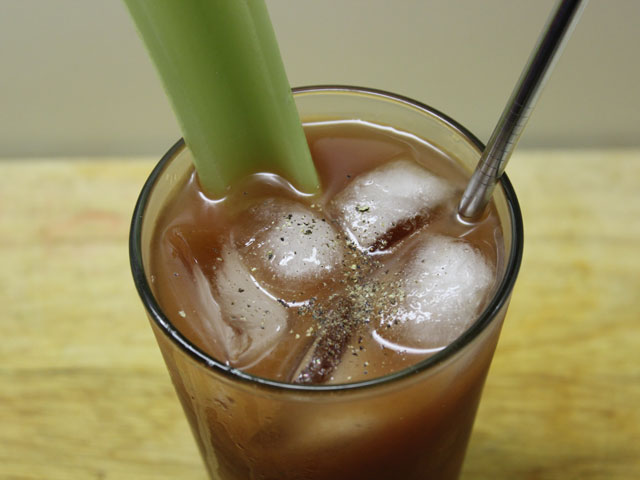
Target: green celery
x=221 y=68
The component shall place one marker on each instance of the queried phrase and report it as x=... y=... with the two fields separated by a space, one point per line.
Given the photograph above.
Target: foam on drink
x=372 y=276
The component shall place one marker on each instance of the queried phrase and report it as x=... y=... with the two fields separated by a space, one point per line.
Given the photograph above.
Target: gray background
x=76 y=81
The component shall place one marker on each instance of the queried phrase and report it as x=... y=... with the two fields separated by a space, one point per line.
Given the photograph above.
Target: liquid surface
x=367 y=278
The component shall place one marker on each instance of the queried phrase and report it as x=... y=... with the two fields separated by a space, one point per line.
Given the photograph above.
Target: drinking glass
x=411 y=424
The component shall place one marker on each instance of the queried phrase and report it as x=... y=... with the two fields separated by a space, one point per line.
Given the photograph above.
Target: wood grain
x=84 y=393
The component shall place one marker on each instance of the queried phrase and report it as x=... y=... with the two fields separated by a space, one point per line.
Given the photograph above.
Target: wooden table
x=84 y=393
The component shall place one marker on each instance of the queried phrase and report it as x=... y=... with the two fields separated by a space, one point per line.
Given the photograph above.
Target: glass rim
x=500 y=297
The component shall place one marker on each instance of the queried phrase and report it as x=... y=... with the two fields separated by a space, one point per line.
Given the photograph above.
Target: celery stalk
x=221 y=68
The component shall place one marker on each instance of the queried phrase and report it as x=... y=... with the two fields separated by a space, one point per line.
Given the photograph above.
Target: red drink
x=286 y=298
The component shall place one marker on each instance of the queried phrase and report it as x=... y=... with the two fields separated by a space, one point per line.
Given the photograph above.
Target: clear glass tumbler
x=413 y=424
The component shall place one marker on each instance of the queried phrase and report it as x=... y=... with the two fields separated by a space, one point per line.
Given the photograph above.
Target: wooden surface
x=84 y=393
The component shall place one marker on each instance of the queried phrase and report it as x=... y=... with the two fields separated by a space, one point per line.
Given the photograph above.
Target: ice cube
x=442 y=288
x=289 y=246
x=253 y=320
x=376 y=203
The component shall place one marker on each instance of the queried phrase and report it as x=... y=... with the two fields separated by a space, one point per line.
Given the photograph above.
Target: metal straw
x=518 y=109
